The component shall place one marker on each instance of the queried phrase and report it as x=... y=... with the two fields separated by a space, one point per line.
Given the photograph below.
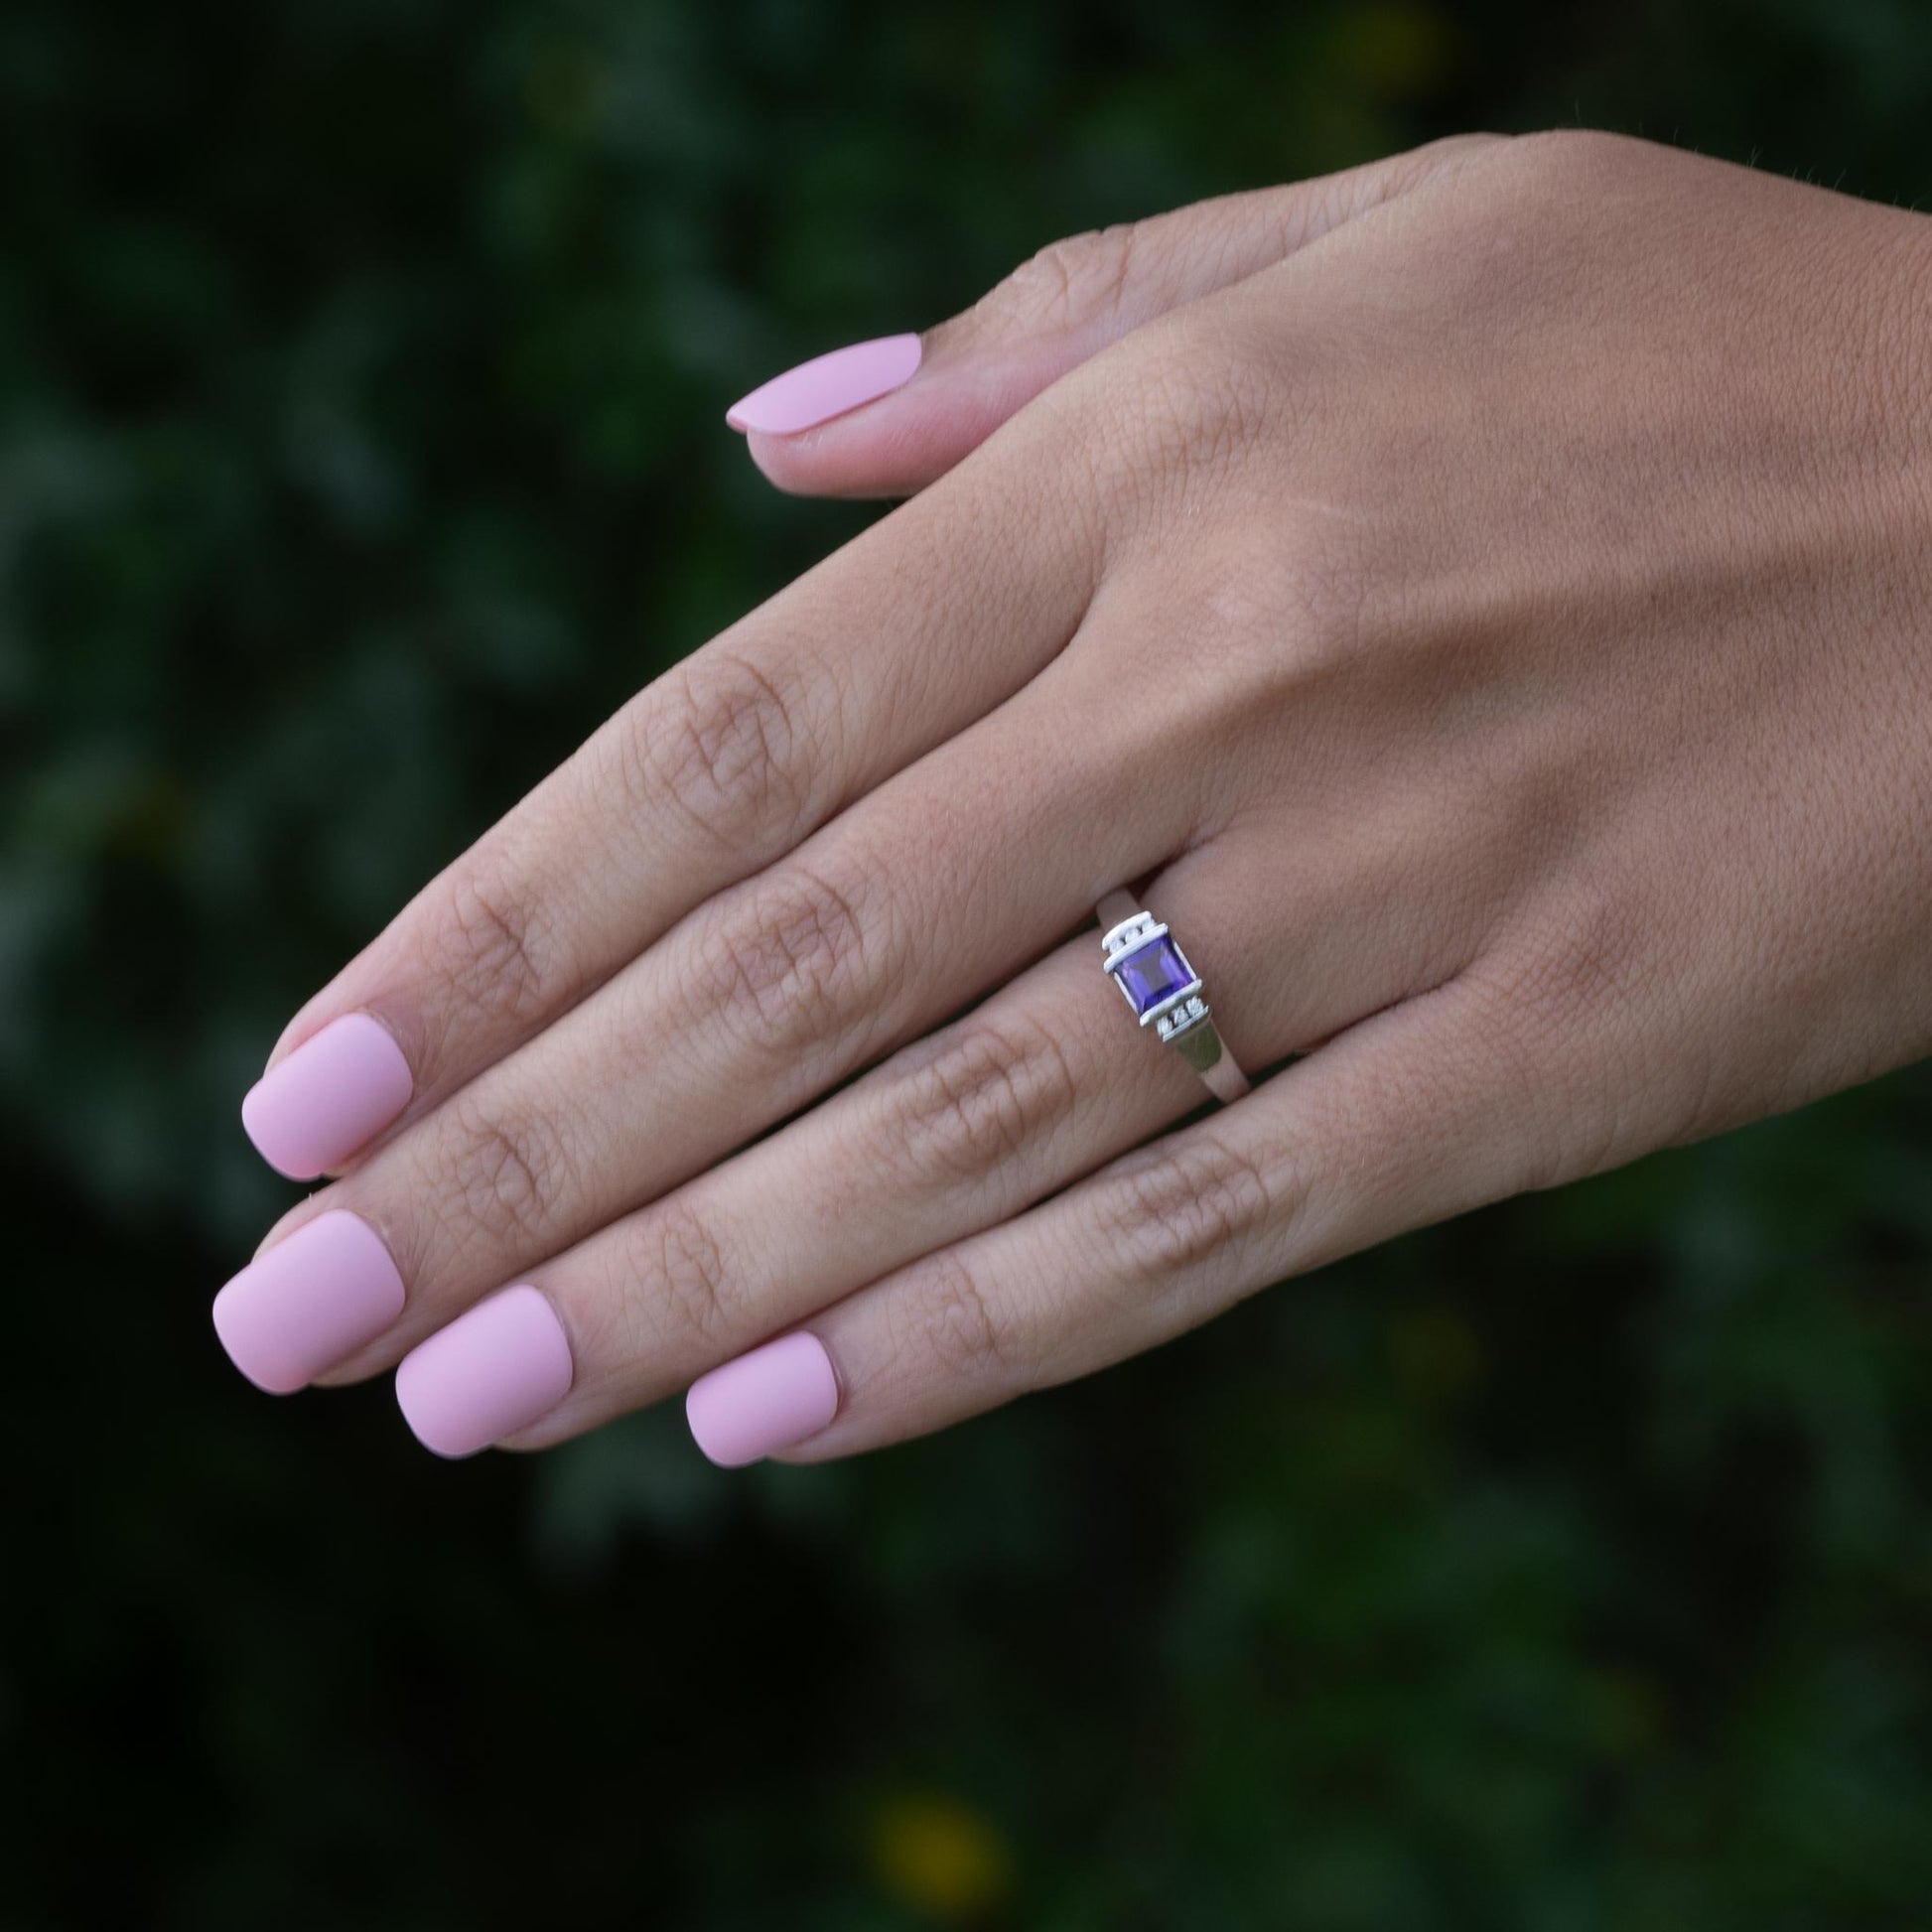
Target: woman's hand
x=1479 y=601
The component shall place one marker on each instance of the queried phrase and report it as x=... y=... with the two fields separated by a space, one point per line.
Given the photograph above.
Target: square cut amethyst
x=1153 y=973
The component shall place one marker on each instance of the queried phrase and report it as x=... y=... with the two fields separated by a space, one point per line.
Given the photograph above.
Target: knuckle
x=986 y=1092
x=1178 y=412
x=1565 y=157
x=1448 y=151
x=1277 y=621
x=726 y=748
x=509 y=1178
x=1071 y=283
x=953 y=1323
x=679 y=1274
x=497 y=959
x=1545 y=1016
x=1570 y=1128
x=1581 y=959
x=1201 y=1200
x=795 y=959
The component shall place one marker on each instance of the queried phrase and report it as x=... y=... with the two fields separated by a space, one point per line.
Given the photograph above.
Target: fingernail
x=309 y=1303
x=337 y=1090
x=773 y=1399
x=498 y=1369
x=827 y=387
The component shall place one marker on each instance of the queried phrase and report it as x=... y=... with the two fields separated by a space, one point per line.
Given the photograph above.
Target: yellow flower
x=940 y=1856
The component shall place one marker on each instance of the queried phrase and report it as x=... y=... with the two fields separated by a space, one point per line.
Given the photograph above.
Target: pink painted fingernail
x=337 y=1089
x=827 y=387
x=498 y=1369
x=309 y=1303
x=773 y=1399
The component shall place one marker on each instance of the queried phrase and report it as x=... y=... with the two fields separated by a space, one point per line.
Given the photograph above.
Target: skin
x=1479 y=600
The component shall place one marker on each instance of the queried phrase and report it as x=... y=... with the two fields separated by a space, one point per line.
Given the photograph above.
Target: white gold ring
x=1146 y=962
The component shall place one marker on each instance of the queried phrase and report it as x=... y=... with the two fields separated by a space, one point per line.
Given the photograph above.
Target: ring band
x=1146 y=962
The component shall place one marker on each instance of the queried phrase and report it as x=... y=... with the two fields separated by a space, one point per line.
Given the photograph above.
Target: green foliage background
x=360 y=374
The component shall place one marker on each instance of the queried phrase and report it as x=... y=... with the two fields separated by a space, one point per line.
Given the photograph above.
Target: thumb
x=884 y=418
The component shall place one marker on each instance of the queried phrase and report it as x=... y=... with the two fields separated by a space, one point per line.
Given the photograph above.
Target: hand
x=1479 y=601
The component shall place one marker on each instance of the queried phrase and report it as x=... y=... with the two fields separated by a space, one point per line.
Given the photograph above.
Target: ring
x=1155 y=979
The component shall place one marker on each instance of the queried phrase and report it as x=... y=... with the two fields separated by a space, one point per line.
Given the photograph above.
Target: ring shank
x=1200 y=1046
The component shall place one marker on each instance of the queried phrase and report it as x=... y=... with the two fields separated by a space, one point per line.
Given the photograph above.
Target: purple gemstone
x=1153 y=973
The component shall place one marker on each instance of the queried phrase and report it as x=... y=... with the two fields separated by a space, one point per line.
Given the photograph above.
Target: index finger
x=893 y=644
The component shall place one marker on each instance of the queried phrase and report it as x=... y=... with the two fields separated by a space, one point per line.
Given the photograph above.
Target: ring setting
x=1153 y=974
x=1155 y=979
